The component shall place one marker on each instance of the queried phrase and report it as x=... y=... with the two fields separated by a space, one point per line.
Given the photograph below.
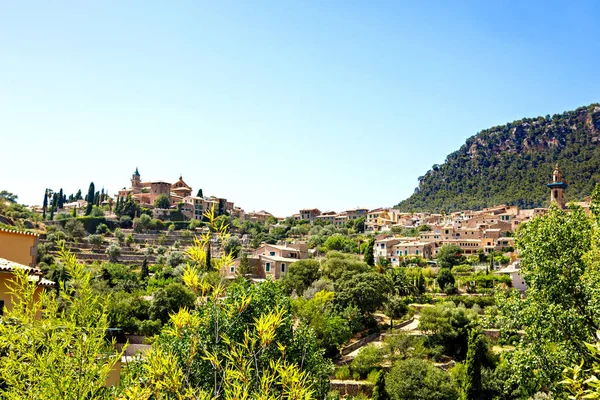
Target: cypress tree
x=369 y=253
x=102 y=195
x=144 y=271
x=45 y=204
x=199 y=194
x=61 y=198
x=208 y=260
x=97 y=199
x=78 y=195
x=74 y=214
x=379 y=392
x=472 y=387
x=90 y=199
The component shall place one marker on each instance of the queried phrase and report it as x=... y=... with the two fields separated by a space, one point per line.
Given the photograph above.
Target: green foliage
x=445 y=278
x=472 y=388
x=74 y=229
x=369 y=255
x=560 y=262
x=170 y=299
x=300 y=276
x=52 y=352
x=367 y=291
x=449 y=256
x=367 y=359
x=510 y=164
x=233 y=343
x=319 y=314
x=448 y=325
x=342 y=372
x=96 y=212
x=232 y=245
x=175 y=258
x=114 y=252
x=415 y=379
x=102 y=229
x=336 y=264
x=96 y=240
x=162 y=201
x=90 y=199
x=340 y=242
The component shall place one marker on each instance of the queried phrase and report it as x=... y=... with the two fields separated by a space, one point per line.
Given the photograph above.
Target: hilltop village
x=399 y=238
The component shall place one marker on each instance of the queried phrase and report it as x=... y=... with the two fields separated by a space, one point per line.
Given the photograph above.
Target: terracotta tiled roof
x=18 y=232
x=7 y=265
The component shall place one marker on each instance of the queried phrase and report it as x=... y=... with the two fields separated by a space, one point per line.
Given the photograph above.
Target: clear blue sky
x=276 y=105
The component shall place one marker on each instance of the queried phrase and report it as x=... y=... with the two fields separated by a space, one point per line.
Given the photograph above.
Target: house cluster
x=330 y=217
x=270 y=260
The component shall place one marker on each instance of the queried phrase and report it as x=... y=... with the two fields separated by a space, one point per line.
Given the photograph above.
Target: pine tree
x=45 y=204
x=61 y=198
x=199 y=194
x=369 y=253
x=90 y=199
x=144 y=271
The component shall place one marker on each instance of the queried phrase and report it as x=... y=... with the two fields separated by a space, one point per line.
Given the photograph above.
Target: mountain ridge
x=511 y=163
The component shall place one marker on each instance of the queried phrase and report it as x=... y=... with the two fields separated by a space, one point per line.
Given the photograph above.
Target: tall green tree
x=199 y=194
x=560 y=263
x=61 y=199
x=45 y=204
x=144 y=271
x=208 y=259
x=90 y=199
x=472 y=387
x=370 y=253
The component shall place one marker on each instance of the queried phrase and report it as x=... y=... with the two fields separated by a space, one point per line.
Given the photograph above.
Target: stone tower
x=557 y=188
x=136 y=182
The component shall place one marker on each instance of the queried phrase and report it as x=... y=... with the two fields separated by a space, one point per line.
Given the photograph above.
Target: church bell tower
x=557 y=188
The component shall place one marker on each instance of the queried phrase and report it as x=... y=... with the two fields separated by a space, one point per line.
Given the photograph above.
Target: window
x=417 y=252
x=282 y=267
x=232 y=269
x=1 y=307
x=405 y=252
x=272 y=253
x=268 y=267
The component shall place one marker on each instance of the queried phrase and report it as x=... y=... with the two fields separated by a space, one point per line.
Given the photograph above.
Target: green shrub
x=373 y=376
x=102 y=229
x=342 y=373
x=368 y=358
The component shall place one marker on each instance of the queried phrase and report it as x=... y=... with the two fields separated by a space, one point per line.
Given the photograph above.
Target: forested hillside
x=511 y=164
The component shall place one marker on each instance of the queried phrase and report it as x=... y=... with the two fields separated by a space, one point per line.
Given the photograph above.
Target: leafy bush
x=114 y=252
x=342 y=373
x=415 y=379
x=126 y=222
x=368 y=358
x=102 y=229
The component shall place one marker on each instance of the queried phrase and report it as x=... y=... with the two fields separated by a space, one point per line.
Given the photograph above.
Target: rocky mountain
x=510 y=164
